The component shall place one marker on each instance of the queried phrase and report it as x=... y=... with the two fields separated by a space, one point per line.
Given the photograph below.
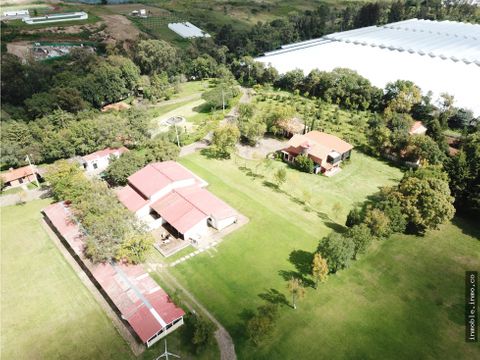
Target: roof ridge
x=186 y=199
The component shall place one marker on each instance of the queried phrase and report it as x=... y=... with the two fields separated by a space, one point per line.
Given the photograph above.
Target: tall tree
x=296 y=289
x=319 y=269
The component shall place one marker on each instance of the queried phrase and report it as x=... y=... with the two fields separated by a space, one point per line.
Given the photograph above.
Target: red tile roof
x=417 y=128
x=19 y=173
x=178 y=212
x=145 y=306
x=318 y=145
x=105 y=153
x=329 y=141
x=155 y=177
x=132 y=200
x=184 y=208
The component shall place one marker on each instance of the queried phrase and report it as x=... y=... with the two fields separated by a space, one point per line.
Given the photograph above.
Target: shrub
x=304 y=163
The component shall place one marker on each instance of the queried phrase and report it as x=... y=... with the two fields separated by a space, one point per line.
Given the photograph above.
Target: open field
x=401 y=300
x=47 y=313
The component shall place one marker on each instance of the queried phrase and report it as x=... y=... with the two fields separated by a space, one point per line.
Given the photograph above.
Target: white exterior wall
x=102 y=164
x=198 y=230
x=178 y=184
x=223 y=223
x=143 y=211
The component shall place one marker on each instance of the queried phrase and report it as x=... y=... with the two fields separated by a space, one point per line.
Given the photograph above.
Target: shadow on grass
x=302 y=260
x=204 y=108
x=467 y=226
x=336 y=227
x=289 y=275
x=275 y=297
x=250 y=173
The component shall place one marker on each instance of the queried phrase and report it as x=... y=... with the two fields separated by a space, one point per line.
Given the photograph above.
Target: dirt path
x=205 y=142
x=223 y=338
x=27 y=195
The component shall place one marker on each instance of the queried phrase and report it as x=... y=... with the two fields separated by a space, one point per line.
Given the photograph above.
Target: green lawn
x=402 y=300
x=47 y=313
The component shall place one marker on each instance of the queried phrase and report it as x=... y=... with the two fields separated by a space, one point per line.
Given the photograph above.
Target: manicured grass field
x=47 y=313
x=404 y=299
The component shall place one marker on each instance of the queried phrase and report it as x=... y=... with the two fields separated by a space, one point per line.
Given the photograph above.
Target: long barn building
x=439 y=56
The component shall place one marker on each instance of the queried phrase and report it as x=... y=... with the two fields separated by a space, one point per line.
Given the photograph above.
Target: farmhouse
x=136 y=297
x=20 y=176
x=98 y=161
x=327 y=151
x=169 y=195
x=418 y=129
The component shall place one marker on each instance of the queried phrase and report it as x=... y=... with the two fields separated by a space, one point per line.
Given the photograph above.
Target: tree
x=251 y=129
x=354 y=217
x=280 y=177
x=296 y=289
x=220 y=95
x=337 y=250
x=319 y=269
x=135 y=247
x=424 y=148
x=203 y=332
x=155 y=56
x=425 y=198
x=304 y=163
x=378 y=223
x=160 y=150
x=66 y=180
x=203 y=67
x=120 y=169
x=400 y=96
x=361 y=237
x=224 y=140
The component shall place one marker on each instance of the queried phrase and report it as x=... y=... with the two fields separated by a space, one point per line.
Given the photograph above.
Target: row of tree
x=62 y=135
x=112 y=232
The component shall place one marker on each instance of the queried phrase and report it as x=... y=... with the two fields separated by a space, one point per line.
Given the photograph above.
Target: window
x=95 y=166
x=20 y=181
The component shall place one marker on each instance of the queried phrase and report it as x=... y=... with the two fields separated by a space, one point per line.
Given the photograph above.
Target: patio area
x=167 y=243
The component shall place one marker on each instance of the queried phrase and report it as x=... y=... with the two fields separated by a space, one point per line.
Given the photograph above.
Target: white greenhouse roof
x=187 y=30
x=438 y=56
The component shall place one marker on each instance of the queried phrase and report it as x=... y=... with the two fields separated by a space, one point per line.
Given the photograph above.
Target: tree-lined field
x=47 y=313
x=403 y=299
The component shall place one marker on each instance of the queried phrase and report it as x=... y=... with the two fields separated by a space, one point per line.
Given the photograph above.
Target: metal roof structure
x=439 y=56
x=141 y=302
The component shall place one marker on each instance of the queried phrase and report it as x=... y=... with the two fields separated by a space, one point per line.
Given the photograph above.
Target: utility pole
x=223 y=102
x=166 y=354
x=176 y=131
x=33 y=170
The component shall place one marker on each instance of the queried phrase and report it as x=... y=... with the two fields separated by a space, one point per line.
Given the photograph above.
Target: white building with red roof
x=327 y=151
x=136 y=296
x=166 y=193
x=417 y=129
x=98 y=161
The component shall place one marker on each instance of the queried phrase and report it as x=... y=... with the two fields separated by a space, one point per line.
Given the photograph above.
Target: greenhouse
x=438 y=56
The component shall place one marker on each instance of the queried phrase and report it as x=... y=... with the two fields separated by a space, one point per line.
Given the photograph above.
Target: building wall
x=223 y=223
x=199 y=229
x=102 y=164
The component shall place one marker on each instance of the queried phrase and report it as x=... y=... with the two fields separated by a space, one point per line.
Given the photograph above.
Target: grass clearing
x=404 y=299
x=47 y=313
